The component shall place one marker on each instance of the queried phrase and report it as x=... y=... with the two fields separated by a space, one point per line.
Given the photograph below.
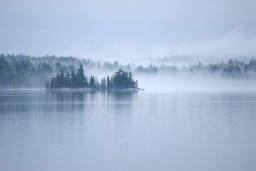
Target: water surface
x=64 y=131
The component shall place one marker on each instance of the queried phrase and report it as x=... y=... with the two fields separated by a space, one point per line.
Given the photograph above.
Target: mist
x=127 y=85
x=129 y=31
x=194 y=83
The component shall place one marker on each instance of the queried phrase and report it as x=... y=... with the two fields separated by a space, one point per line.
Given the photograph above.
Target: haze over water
x=194 y=58
x=147 y=130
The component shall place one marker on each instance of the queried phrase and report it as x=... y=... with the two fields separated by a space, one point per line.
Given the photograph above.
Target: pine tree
x=73 y=79
x=80 y=77
x=103 y=83
x=92 y=83
x=108 y=83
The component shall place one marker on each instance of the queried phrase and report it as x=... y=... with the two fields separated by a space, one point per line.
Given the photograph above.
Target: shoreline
x=93 y=90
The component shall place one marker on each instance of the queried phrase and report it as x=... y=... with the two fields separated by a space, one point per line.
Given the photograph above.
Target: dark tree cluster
x=73 y=80
x=120 y=80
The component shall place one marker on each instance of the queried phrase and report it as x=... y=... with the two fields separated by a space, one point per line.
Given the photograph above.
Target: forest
x=119 y=80
x=31 y=71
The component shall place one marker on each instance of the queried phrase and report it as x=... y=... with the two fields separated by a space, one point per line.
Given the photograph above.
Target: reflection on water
x=72 y=130
x=76 y=100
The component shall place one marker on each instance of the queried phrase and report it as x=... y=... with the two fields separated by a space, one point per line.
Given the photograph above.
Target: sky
x=128 y=30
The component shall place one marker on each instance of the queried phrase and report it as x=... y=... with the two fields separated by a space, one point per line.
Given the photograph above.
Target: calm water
x=74 y=131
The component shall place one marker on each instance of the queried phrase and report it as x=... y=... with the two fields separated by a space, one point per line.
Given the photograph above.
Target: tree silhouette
x=120 y=80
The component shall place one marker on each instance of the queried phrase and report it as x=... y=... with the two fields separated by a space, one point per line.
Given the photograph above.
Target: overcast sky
x=128 y=29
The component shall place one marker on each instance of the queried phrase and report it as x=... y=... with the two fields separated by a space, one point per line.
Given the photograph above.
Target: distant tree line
x=120 y=80
x=24 y=70
x=16 y=73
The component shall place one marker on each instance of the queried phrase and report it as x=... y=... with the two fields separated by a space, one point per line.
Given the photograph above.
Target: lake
x=127 y=131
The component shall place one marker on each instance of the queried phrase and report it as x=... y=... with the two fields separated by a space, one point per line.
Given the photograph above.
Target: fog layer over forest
x=23 y=71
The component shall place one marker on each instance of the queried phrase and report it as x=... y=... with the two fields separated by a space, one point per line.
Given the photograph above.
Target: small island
x=120 y=80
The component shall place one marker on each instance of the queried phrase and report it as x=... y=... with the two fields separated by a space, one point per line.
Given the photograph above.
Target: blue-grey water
x=143 y=131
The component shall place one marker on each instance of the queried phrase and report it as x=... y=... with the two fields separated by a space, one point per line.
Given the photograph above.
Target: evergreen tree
x=108 y=83
x=62 y=80
x=103 y=83
x=81 y=80
x=92 y=83
x=73 y=79
x=67 y=80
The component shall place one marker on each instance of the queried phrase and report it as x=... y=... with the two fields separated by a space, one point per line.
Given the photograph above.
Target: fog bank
x=195 y=83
